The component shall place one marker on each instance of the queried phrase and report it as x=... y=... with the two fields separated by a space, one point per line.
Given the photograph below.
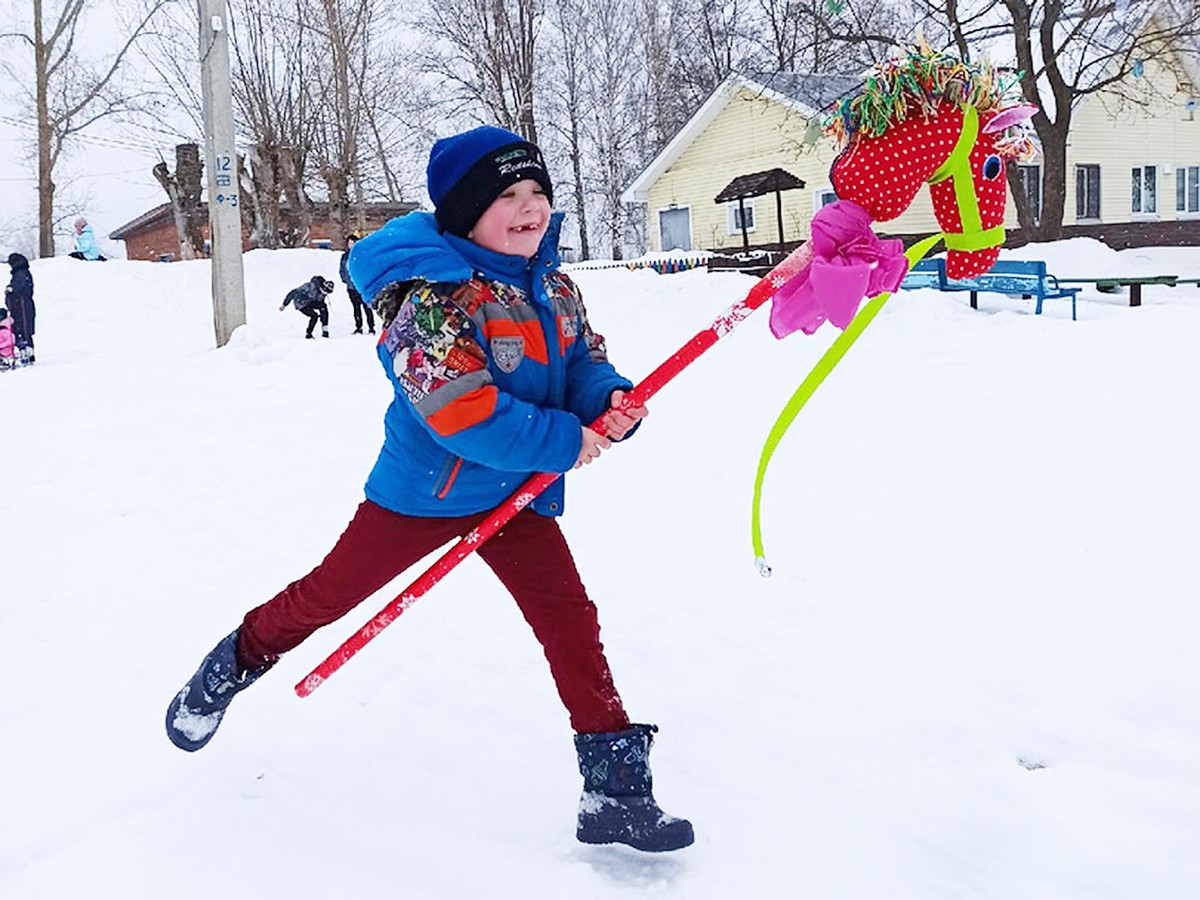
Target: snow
x=972 y=675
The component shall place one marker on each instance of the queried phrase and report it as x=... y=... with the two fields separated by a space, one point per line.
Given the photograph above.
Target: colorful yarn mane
x=925 y=118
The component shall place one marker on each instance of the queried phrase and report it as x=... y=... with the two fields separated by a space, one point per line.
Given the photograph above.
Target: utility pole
x=224 y=217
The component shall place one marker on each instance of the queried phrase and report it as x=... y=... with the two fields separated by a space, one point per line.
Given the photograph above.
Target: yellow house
x=1135 y=156
x=1130 y=161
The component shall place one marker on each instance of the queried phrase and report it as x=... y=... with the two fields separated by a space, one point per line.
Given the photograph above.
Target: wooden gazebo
x=745 y=186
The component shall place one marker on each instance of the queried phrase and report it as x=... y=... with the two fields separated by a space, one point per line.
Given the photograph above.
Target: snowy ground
x=973 y=674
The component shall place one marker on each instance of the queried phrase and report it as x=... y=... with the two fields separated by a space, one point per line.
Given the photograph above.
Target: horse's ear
x=1006 y=118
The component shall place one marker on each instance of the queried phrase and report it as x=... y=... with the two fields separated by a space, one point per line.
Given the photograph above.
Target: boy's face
x=515 y=222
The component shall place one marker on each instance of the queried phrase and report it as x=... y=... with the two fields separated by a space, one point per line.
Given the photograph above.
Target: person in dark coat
x=309 y=299
x=18 y=297
x=356 y=300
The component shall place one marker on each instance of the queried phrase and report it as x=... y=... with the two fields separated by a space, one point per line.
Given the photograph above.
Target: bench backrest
x=927 y=273
x=1015 y=276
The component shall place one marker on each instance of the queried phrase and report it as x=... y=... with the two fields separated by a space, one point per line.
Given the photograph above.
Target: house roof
x=759 y=183
x=158 y=215
x=149 y=219
x=807 y=94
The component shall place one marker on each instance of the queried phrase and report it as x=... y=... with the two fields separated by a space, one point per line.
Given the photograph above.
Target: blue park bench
x=1025 y=277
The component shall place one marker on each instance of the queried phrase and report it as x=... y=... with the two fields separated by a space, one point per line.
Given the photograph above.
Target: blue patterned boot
x=617 y=806
x=196 y=712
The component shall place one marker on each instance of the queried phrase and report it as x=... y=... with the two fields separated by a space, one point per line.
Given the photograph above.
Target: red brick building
x=151 y=236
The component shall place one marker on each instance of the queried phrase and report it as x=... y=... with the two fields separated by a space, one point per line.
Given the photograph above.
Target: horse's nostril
x=991 y=168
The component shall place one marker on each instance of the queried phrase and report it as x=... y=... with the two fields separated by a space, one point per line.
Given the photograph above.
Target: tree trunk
x=1054 y=180
x=298 y=220
x=188 y=169
x=45 y=167
x=336 y=184
x=264 y=165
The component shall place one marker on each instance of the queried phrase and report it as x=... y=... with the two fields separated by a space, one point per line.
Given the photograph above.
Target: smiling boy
x=495 y=372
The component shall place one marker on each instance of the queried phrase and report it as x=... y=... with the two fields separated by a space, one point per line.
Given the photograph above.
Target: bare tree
x=567 y=47
x=488 y=55
x=183 y=190
x=70 y=93
x=1065 y=52
x=271 y=60
x=340 y=38
x=611 y=98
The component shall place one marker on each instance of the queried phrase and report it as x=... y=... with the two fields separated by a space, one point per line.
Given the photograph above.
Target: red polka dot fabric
x=883 y=175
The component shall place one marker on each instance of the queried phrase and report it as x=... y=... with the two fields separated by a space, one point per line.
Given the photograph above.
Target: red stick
x=676 y=363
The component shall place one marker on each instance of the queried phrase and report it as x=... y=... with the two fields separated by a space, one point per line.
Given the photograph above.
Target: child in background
x=85 y=243
x=8 y=343
x=309 y=299
x=356 y=300
x=495 y=372
x=18 y=297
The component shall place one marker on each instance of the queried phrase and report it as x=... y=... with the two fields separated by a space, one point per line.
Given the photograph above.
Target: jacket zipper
x=449 y=480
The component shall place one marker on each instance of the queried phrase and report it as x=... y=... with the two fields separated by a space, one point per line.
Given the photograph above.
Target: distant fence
x=663 y=265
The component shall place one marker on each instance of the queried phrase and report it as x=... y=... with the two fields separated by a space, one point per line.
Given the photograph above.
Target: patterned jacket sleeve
x=591 y=378
x=439 y=368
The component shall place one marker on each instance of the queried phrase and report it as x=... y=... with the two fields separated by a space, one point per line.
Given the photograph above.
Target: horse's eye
x=991 y=168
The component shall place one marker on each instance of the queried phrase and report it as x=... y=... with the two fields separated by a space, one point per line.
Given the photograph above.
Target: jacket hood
x=17 y=261
x=412 y=248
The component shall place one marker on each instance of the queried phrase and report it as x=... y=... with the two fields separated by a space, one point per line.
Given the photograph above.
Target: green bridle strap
x=823 y=367
x=977 y=240
x=957 y=167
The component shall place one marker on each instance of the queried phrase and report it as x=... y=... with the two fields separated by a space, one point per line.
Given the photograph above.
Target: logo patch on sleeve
x=507 y=352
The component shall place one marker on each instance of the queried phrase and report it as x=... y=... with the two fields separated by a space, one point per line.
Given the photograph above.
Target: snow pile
x=972 y=674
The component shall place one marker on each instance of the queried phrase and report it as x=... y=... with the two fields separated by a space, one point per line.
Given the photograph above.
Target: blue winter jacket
x=493 y=363
x=85 y=243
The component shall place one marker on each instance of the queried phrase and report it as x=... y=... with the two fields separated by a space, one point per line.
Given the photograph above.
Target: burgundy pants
x=529 y=555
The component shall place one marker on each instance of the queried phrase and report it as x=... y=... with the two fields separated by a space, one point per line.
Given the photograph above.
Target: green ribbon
x=824 y=366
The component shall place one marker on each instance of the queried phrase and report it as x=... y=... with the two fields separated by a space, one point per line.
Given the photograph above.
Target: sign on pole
x=224 y=214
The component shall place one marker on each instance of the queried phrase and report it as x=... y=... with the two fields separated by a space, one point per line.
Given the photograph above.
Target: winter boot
x=617 y=806
x=324 y=332
x=25 y=356
x=196 y=712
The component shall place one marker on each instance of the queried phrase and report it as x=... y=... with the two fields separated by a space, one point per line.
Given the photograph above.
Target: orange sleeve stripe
x=469 y=409
x=535 y=340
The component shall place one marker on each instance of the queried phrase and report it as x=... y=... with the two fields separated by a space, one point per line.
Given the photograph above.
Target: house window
x=1187 y=189
x=1145 y=190
x=823 y=197
x=733 y=216
x=322 y=244
x=1087 y=192
x=675 y=229
x=1031 y=184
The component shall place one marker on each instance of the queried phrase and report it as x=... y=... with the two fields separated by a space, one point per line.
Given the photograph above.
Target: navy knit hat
x=468 y=171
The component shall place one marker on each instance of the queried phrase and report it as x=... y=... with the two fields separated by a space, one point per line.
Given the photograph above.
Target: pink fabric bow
x=849 y=263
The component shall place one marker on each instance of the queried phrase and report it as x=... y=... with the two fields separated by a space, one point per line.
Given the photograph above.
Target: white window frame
x=1189 y=188
x=1081 y=216
x=1141 y=176
x=675 y=207
x=321 y=243
x=731 y=215
x=822 y=197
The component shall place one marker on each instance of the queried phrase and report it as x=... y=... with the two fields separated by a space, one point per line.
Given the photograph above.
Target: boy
x=495 y=371
x=309 y=299
x=356 y=300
